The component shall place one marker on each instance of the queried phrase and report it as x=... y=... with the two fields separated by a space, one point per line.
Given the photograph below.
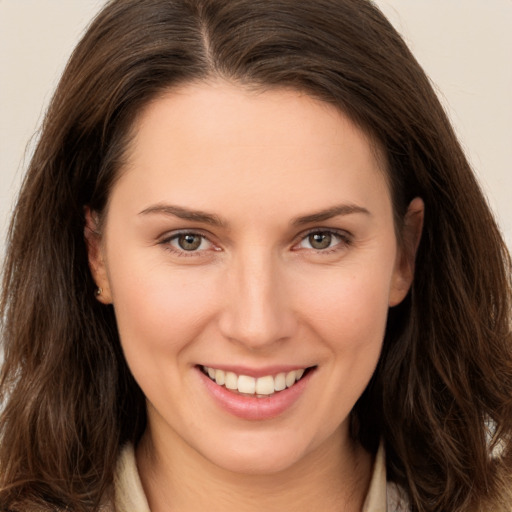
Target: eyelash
x=344 y=241
x=166 y=243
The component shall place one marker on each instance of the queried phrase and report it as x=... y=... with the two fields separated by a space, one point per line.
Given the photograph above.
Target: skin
x=255 y=293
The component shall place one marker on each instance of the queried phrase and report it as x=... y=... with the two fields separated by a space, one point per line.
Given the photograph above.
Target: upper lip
x=257 y=372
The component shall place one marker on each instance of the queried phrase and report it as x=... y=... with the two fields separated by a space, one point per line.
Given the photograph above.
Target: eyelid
x=165 y=241
x=345 y=236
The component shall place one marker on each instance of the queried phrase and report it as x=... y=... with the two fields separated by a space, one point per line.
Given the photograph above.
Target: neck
x=333 y=477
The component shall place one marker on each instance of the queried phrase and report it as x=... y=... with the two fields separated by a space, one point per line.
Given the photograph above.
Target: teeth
x=291 y=377
x=231 y=381
x=265 y=385
x=220 y=377
x=280 y=382
x=246 y=384
x=262 y=386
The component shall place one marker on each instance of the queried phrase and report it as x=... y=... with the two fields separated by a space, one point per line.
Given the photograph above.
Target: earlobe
x=411 y=235
x=95 y=256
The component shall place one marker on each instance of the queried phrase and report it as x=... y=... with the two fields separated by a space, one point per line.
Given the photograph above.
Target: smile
x=260 y=387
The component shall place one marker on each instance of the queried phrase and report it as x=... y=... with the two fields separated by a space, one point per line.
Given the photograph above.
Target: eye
x=322 y=240
x=188 y=242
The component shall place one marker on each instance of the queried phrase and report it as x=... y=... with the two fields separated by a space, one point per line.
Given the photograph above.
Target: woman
x=250 y=267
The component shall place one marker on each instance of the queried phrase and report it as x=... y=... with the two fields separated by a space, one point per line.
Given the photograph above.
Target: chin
x=260 y=454
x=256 y=464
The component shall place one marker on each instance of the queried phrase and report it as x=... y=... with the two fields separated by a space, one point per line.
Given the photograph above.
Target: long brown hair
x=441 y=397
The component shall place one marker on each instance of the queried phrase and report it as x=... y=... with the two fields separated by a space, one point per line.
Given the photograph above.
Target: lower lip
x=253 y=408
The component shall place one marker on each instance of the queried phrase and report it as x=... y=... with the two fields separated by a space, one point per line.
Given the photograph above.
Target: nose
x=258 y=309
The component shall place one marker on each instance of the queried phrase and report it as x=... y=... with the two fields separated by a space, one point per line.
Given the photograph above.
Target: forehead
x=255 y=115
x=219 y=140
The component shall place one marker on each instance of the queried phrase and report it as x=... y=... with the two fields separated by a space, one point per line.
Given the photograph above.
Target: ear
x=403 y=273
x=95 y=253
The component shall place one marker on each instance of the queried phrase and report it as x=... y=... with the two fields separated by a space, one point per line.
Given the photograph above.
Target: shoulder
x=128 y=492
x=396 y=500
x=384 y=496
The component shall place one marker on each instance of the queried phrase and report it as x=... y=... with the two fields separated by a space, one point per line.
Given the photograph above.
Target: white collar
x=129 y=494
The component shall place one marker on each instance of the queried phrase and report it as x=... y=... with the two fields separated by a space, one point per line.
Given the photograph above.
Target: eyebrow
x=184 y=213
x=214 y=220
x=329 y=213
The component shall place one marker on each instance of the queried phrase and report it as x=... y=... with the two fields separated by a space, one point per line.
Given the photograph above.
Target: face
x=250 y=255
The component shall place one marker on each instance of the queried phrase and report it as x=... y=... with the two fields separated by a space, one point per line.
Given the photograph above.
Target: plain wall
x=464 y=45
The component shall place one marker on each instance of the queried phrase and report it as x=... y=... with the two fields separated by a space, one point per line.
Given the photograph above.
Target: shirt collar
x=130 y=497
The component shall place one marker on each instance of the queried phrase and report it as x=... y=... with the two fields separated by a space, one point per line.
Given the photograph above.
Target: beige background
x=464 y=45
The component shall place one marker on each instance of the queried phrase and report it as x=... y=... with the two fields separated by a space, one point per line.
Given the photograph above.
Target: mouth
x=259 y=387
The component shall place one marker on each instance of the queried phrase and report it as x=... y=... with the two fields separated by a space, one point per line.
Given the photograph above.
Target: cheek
x=348 y=306
x=347 y=315
x=159 y=308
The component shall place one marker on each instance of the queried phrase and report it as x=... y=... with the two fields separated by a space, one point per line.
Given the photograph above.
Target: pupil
x=320 y=240
x=189 y=242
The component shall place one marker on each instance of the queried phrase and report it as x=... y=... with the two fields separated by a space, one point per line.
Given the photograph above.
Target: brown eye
x=189 y=241
x=320 y=240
